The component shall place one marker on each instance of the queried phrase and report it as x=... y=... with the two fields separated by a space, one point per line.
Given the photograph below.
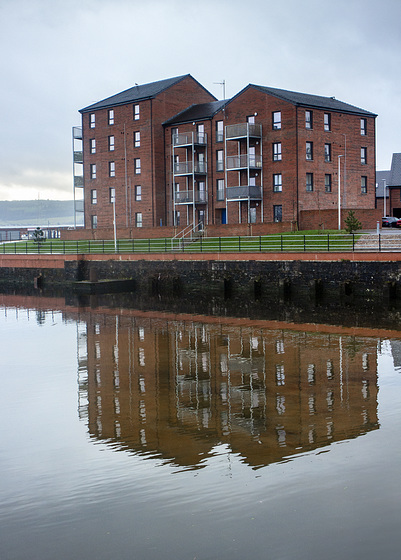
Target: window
x=219 y=131
x=308 y=119
x=136 y=112
x=277 y=151
x=138 y=193
x=112 y=195
x=220 y=160
x=111 y=143
x=92 y=120
x=92 y=143
x=327 y=182
x=327 y=121
x=309 y=182
x=277 y=182
x=201 y=193
x=112 y=169
x=250 y=119
x=94 y=222
x=220 y=189
x=93 y=170
x=276 y=120
x=200 y=134
x=363 y=127
x=137 y=139
x=364 y=156
x=364 y=185
x=111 y=116
x=278 y=213
x=137 y=166
x=327 y=152
x=309 y=151
x=138 y=219
x=93 y=196
x=252 y=215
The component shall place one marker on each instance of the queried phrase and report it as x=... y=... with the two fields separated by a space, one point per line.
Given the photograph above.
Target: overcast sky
x=58 y=56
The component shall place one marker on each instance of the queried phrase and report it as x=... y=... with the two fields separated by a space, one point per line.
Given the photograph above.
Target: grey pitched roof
x=395 y=178
x=313 y=101
x=382 y=176
x=136 y=93
x=197 y=112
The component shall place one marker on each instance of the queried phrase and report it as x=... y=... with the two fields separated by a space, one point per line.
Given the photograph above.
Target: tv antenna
x=223 y=83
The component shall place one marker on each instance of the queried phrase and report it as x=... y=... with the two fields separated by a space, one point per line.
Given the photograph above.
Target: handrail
x=284 y=243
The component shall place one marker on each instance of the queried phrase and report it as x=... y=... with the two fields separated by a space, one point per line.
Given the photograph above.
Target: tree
x=38 y=235
x=352 y=223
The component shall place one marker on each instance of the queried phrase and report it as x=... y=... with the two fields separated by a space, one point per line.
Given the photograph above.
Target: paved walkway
x=385 y=241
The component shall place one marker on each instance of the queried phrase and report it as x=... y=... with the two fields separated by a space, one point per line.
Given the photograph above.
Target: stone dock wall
x=375 y=275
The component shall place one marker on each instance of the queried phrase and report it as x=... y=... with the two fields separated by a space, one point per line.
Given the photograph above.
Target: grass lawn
x=292 y=241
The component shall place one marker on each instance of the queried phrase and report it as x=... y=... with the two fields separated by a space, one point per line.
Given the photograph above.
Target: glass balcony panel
x=78 y=181
x=244 y=161
x=248 y=191
x=200 y=167
x=78 y=157
x=243 y=130
x=187 y=197
x=183 y=167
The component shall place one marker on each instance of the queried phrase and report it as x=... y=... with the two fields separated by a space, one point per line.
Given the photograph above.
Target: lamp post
x=339 y=192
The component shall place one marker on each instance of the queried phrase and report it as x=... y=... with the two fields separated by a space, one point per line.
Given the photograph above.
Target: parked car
x=390 y=221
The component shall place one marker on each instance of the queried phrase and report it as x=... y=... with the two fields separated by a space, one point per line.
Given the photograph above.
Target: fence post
x=353 y=242
x=239 y=244
x=149 y=245
x=380 y=246
x=219 y=244
x=200 y=239
x=281 y=243
x=260 y=243
x=328 y=242
x=304 y=243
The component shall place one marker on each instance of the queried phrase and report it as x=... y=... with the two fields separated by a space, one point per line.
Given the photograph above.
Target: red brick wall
x=151 y=153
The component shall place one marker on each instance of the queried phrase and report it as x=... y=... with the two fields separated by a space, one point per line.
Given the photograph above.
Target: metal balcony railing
x=189 y=138
x=243 y=130
x=186 y=167
x=187 y=197
x=249 y=191
x=244 y=161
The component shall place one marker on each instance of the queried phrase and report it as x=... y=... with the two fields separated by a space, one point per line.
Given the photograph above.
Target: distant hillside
x=36 y=212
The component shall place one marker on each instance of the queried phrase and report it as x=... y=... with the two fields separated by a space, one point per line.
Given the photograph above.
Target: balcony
x=78 y=181
x=249 y=191
x=244 y=161
x=187 y=197
x=77 y=133
x=243 y=130
x=78 y=157
x=187 y=168
x=189 y=139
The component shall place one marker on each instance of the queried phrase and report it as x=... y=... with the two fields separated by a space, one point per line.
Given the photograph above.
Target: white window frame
x=138 y=193
x=276 y=120
x=92 y=120
x=111 y=143
x=110 y=116
x=112 y=168
x=277 y=182
x=277 y=154
x=137 y=166
x=137 y=113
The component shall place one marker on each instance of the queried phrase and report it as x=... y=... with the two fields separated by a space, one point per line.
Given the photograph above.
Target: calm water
x=136 y=435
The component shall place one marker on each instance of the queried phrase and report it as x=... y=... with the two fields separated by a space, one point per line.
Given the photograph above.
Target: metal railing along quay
x=295 y=243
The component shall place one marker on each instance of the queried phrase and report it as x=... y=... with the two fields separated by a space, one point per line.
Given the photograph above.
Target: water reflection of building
x=175 y=389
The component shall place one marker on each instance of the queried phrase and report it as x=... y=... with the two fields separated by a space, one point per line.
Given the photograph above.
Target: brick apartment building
x=169 y=154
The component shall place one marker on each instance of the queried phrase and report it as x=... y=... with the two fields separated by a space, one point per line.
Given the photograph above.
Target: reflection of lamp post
x=384 y=198
x=339 y=193
x=113 y=200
